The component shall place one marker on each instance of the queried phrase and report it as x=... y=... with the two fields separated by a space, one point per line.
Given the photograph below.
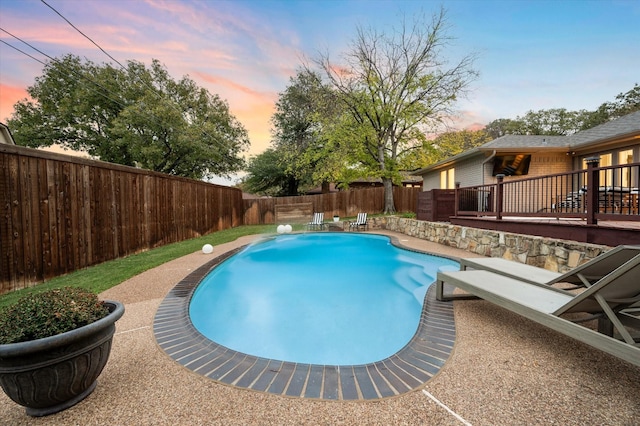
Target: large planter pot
x=52 y=374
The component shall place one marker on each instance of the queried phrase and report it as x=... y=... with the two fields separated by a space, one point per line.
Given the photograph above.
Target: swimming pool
x=317 y=298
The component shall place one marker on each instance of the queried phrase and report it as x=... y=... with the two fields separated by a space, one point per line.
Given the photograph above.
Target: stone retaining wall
x=553 y=254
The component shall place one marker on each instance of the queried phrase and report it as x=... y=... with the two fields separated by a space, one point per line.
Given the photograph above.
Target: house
x=5 y=135
x=409 y=180
x=523 y=156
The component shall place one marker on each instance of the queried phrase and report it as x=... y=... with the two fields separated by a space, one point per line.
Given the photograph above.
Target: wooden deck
x=598 y=205
x=606 y=232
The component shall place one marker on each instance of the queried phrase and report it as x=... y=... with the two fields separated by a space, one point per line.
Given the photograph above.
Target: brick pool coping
x=408 y=369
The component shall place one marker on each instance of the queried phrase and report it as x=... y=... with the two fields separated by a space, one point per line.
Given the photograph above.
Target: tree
x=302 y=153
x=266 y=175
x=444 y=146
x=553 y=122
x=626 y=103
x=136 y=116
x=503 y=126
x=296 y=133
x=394 y=86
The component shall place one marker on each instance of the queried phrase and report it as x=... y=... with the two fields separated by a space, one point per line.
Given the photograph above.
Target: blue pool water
x=318 y=298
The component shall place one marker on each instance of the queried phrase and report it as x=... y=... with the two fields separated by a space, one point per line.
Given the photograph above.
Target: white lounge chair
x=582 y=275
x=360 y=222
x=317 y=222
x=610 y=298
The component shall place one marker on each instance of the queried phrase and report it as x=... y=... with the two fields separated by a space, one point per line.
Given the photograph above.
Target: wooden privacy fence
x=62 y=213
x=345 y=203
x=436 y=205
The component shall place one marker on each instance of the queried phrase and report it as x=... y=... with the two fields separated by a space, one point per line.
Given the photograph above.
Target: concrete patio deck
x=503 y=370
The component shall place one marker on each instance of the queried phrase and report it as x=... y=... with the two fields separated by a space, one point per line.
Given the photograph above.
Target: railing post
x=500 y=178
x=456 y=199
x=593 y=189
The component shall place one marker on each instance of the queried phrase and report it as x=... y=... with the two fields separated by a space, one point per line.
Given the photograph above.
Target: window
x=625 y=157
x=448 y=179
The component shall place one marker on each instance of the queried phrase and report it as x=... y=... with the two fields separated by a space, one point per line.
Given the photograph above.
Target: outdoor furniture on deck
x=572 y=202
x=613 y=199
x=630 y=202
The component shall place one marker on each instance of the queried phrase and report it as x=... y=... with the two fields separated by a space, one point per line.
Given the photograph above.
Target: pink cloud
x=253 y=108
x=475 y=126
x=468 y=120
x=235 y=53
x=9 y=95
x=230 y=84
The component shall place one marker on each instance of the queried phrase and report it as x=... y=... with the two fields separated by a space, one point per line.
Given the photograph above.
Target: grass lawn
x=108 y=274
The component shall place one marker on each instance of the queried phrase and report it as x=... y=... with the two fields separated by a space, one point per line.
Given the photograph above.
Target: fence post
x=456 y=199
x=500 y=178
x=593 y=189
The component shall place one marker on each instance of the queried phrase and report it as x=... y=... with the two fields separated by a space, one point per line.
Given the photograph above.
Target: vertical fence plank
x=6 y=252
x=17 y=213
x=44 y=220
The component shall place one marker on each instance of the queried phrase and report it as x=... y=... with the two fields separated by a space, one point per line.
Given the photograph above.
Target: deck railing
x=606 y=193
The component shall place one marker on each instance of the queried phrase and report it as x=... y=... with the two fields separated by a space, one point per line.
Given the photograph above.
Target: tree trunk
x=292 y=186
x=389 y=205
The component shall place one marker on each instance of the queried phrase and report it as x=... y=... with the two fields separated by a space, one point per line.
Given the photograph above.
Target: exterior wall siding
x=467 y=172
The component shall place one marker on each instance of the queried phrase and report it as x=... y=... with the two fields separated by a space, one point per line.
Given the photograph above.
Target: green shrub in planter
x=49 y=313
x=53 y=347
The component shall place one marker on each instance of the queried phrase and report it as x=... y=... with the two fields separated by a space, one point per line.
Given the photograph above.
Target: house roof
x=619 y=128
x=5 y=135
x=626 y=126
x=526 y=142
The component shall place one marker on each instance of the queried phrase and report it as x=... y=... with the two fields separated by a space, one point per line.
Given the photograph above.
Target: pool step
x=410 y=280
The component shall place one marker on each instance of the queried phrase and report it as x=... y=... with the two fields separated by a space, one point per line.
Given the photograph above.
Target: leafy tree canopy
x=267 y=175
x=444 y=146
x=136 y=116
x=394 y=86
x=302 y=154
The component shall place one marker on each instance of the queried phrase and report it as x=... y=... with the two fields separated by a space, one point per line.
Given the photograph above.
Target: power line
x=22 y=51
x=78 y=74
x=214 y=142
x=83 y=34
x=153 y=90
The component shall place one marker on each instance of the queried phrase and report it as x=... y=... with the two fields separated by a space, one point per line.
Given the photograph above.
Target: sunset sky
x=531 y=54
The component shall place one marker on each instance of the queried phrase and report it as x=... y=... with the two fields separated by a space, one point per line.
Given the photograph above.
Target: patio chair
x=317 y=222
x=573 y=202
x=583 y=275
x=608 y=299
x=360 y=222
